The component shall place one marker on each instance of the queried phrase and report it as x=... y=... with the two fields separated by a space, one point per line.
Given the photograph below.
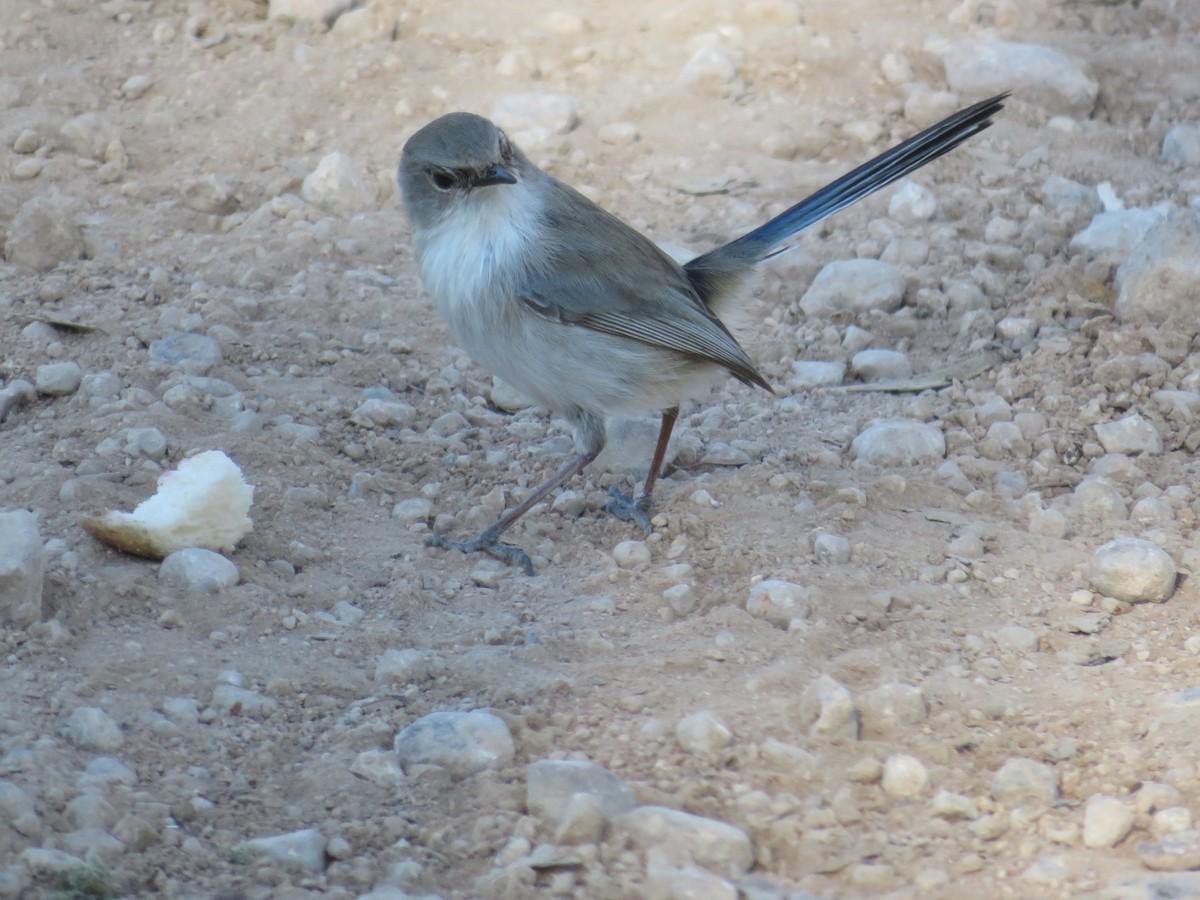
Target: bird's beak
x=496 y=175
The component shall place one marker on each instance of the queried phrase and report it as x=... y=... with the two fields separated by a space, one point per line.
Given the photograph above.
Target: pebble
x=233 y=700
x=950 y=806
x=414 y=509
x=299 y=849
x=1158 y=279
x=135 y=86
x=1133 y=570
x=552 y=789
x=17 y=810
x=897 y=69
x=1043 y=75
x=854 y=286
x=338 y=186
x=631 y=442
x=1132 y=435
x=506 y=397
x=683 y=882
x=1182 y=145
x=923 y=106
x=1015 y=637
x=779 y=602
x=89 y=728
x=831 y=549
x=534 y=118
x=710 y=64
x=1177 y=853
x=22 y=568
x=880 y=365
x=45 y=233
x=209 y=194
x=633 y=555
x=912 y=204
x=379 y=413
x=680 y=838
x=1096 y=499
x=1114 y=234
x=703 y=734
x=192 y=353
x=407 y=666
x=16 y=393
x=1171 y=820
x=898 y=442
x=318 y=12
x=463 y=743
x=1106 y=822
x=828 y=709
x=1025 y=782
x=885 y=709
x=809 y=374
x=1070 y=197
x=380 y=767
x=904 y=776
x=90 y=135
x=197 y=571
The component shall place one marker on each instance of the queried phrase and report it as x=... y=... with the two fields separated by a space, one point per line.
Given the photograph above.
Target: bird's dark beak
x=496 y=175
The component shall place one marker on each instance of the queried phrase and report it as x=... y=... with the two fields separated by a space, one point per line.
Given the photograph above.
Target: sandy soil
x=586 y=659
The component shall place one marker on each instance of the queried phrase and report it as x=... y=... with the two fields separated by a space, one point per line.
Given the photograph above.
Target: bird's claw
x=628 y=509
x=488 y=543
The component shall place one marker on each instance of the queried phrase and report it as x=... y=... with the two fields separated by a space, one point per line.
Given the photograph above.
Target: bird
x=578 y=310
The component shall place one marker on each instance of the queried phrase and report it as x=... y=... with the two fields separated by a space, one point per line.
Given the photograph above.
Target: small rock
x=1131 y=435
x=912 y=203
x=90 y=728
x=779 y=602
x=1176 y=853
x=665 y=881
x=135 y=86
x=1024 y=782
x=300 y=849
x=681 y=839
x=407 y=666
x=506 y=397
x=703 y=734
x=193 y=353
x=630 y=445
x=710 y=64
x=1182 y=145
x=828 y=709
x=22 y=568
x=904 y=776
x=414 y=509
x=1014 y=637
x=1171 y=820
x=809 y=374
x=950 y=806
x=831 y=549
x=897 y=69
x=90 y=135
x=634 y=555
x=44 y=233
x=1159 y=278
x=1113 y=234
x=880 y=365
x=1134 y=570
x=209 y=194
x=379 y=413
x=318 y=12
x=898 y=442
x=197 y=571
x=854 y=286
x=888 y=707
x=1106 y=822
x=979 y=67
x=552 y=785
x=1096 y=499
x=533 y=118
x=923 y=107
x=380 y=767
x=58 y=379
x=232 y=700
x=338 y=186
x=463 y=743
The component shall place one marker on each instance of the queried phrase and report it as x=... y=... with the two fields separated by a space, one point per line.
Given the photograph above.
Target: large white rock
x=898 y=442
x=977 y=66
x=1161 y=277
x=338 y=185
x=22 y=568
x=1133 y=569
x=463 y=743
x=854 y=286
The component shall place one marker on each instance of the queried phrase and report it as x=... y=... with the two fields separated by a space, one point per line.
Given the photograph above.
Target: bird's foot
x=628 y=509
x=489 y=542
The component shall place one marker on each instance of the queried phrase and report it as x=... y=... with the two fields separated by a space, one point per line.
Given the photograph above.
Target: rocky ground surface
x=921 y=625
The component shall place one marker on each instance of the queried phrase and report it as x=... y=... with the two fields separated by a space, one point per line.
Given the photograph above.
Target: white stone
x=301 y=849
x=898 y=442
x=880 y=365
x=885 y=709
x=710 y=64
x=414 y=509
x=1132 y=435
x=22 y=568
x=1025 y=782
x=1114 y=234
x=831 y=549
x=44 y=233
x=912 y=203
x=828 y=709
x=379 y=413
x=58 y=379
x=405 y=666
x=338 y=186
x=463 y=743
x=198 y=571
x=904 y=776
x=703 y=734
x=90 y=135
x=1182 y=145
x=809 y=374
x=322 y=12
x=1160 y=277
x=90 y=728
x=631 y=555
x=1106 y=822
x=533 y=118
x=552 y=784
x=680 y=838
x=854 y=286
x=779 y=602
x=1133 y=569
x=977 y=67
x=209 y=194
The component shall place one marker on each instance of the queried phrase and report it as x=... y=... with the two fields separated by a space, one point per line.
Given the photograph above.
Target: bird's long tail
x=887 y=167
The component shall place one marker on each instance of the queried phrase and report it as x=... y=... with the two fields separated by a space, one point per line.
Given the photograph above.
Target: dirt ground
x=196 y=224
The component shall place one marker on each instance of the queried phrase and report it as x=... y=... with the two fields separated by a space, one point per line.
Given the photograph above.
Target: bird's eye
x=443 y=181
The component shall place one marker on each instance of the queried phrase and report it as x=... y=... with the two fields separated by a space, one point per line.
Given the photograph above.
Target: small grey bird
x=574 y=308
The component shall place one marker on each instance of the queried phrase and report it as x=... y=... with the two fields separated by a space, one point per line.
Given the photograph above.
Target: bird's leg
x=630 y=509
x=488 y=540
